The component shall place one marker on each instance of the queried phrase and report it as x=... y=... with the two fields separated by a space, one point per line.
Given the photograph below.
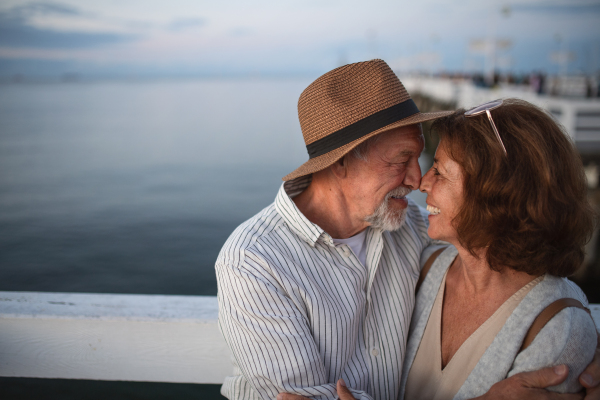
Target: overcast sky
x=187 y=37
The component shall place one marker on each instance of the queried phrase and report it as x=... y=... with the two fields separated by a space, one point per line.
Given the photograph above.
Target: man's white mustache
x=398 y=192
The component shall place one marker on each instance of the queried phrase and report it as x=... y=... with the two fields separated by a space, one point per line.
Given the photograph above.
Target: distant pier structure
x=579 y=115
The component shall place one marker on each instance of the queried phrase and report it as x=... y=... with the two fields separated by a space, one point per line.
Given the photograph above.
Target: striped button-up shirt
x=299 y=312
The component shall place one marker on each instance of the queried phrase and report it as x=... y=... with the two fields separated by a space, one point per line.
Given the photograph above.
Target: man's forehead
x=406 y=136
x=413 y=129
x=409 y=130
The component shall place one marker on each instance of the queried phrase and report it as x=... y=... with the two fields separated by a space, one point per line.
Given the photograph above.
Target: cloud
x=559 y=8
x=241 y=31
x=17 y=29
x=28 y=10
x=182 y=24
x=237 y=36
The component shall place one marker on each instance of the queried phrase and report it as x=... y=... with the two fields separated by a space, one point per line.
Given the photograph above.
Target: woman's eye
x=435 y=171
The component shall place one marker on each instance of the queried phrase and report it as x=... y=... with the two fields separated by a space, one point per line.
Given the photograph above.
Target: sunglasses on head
x=486 y=108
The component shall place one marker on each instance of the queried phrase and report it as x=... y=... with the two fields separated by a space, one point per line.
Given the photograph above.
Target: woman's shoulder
x=564 y=325
x=561 y=330
x=568 y=338
x=552 y=288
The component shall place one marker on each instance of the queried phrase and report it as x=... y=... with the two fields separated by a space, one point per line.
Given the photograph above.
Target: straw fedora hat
x=347 y=106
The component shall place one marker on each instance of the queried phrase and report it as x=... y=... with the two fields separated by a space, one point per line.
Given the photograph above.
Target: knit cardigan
x=568 y=338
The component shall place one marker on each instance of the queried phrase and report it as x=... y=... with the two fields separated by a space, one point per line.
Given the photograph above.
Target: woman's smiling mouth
x=433 y=210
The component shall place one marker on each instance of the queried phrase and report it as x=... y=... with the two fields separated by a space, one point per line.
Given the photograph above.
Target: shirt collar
x=286 y=207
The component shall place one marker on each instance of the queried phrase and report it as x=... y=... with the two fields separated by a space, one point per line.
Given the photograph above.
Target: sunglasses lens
x=490 y=105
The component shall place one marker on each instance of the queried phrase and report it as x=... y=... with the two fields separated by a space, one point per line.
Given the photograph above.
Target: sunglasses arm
x=489 y=115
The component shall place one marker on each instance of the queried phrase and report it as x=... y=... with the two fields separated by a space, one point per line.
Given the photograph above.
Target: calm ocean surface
x=133 y=187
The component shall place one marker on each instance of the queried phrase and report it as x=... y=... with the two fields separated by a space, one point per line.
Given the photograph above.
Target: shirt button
x=346 y=252
x=374 y=352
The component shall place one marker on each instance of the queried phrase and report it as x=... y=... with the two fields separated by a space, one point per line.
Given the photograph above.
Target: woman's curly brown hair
x=529 y=208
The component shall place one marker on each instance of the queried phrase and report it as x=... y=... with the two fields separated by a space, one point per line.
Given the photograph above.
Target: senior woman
x=508 y=192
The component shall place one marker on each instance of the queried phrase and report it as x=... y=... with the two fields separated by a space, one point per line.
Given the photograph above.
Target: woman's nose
x=424 y=187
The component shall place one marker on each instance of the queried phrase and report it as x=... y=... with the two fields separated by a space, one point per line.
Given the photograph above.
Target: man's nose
x=412 y=179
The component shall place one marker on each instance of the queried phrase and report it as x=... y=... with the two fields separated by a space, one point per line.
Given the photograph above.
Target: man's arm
x=524 y=386
x=269 y=334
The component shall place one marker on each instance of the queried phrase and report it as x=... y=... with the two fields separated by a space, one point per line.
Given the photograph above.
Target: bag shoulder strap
x=427 y=267
x=546 y=315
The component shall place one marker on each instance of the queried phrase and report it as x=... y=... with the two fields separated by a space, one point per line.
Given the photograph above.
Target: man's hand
x=343 y=391
x=530 y=385
x=341 y=387
x=289 y=396
x=590 y=378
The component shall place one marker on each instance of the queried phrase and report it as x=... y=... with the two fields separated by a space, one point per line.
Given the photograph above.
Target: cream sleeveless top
x=426 y=379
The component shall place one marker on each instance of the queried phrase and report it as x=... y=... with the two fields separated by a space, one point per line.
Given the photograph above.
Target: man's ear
x=340 y=167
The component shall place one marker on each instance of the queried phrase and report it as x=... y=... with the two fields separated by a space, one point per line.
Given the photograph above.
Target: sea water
x=134 y=186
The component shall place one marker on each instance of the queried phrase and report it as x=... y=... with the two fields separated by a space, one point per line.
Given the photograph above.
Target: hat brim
x=318 y=163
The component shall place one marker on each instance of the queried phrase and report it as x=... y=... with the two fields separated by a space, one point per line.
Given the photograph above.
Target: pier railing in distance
x=579 y=116
x=116 y=337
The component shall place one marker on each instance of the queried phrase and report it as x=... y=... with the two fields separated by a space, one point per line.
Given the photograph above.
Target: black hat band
x=362 y=127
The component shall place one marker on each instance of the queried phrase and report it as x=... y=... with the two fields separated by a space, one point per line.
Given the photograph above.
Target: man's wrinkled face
x=380 y=184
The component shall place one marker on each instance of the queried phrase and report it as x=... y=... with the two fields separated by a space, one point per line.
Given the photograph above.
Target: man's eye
x=435 y=171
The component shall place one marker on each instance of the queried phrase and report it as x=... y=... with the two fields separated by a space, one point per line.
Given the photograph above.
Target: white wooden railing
x=116 y=337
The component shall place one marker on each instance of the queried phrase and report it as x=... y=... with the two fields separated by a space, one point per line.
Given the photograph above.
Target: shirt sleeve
x=568 y=338
x=269 y=334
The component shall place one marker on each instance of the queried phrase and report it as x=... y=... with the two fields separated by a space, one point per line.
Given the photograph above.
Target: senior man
x=320 y=285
